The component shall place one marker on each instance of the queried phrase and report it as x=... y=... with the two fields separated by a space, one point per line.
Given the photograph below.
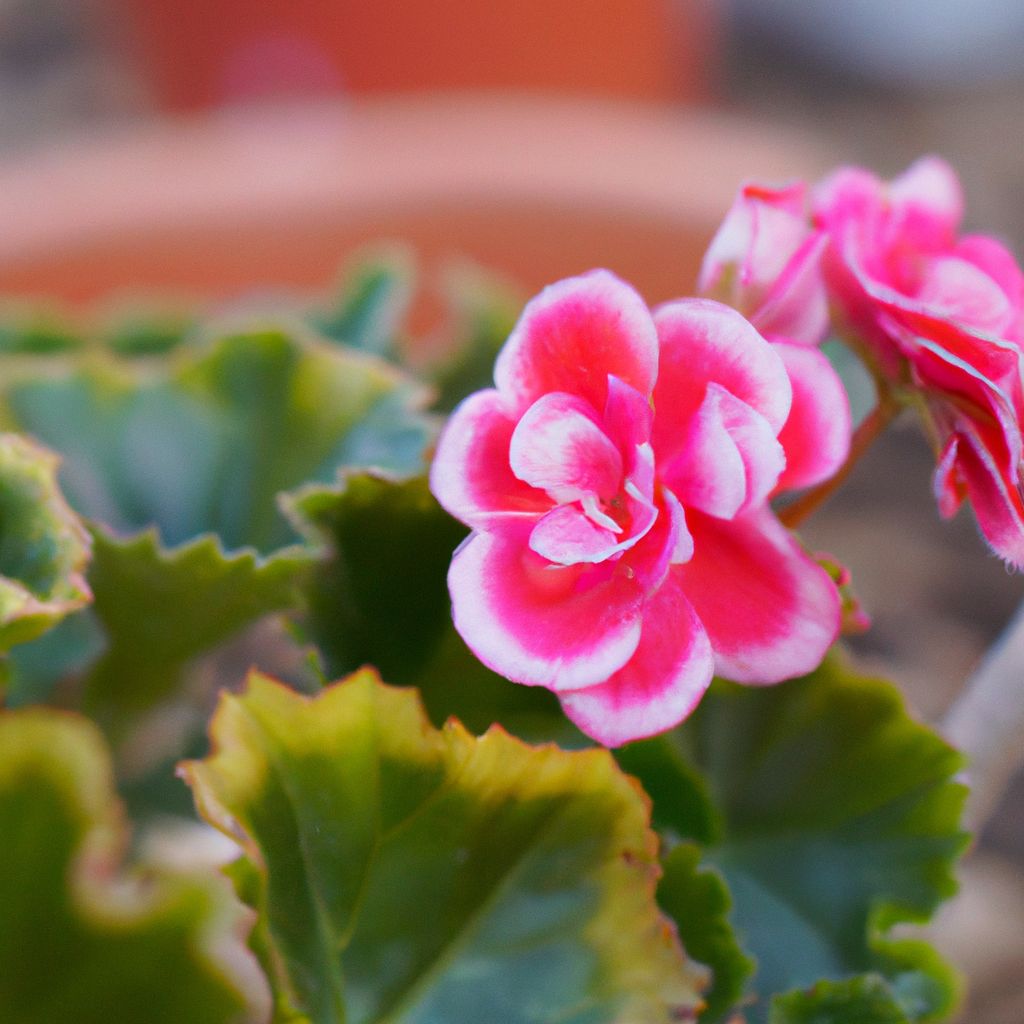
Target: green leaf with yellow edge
x=44 y=548
x=81 y=940
x=836 y=817
x=418 y=875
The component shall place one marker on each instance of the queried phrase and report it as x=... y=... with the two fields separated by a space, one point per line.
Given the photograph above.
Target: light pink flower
x=616 y=480
x=941 y=314
x=765 y=261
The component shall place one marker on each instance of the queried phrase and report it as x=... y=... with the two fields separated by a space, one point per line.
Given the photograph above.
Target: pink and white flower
x=942 y=314
x=616 y=480
x=765 y=261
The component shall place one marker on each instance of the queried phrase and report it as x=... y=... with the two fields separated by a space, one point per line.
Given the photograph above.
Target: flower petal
x=558 y=447
x=538 y=623
x=816 y=437
x=796 y=306
x=573 y=335
x=704 y=342
x=927 y=203
x=659 y=686
x=996 y=501
x=728 y=459
x=471 y=476
x=770 y=611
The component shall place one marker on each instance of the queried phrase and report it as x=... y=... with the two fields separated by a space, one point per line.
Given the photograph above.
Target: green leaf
x=374 y=294
x=159 y=609
x=864 y=1000
x=379 y=596
x=416 y=875
x=483 y=310
x=25 y=328
x=699 y=902
x=44 y=548
x=838 y=818
x=80 y=941
x=206 y=441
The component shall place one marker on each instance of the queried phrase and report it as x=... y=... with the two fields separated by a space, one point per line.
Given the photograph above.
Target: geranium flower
x=616 y=480
x=942 y=315
x=765 y=261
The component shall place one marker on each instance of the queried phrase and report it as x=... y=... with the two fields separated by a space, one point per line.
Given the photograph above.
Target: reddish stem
x=863 y=437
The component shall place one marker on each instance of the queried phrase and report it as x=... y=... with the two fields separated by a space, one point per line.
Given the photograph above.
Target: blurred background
x=221 y=148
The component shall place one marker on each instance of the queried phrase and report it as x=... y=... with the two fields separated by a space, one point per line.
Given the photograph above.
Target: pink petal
x=927 y=203
x=471 y=476
x=996 y=261
x=573 y=335
x=947 y=485
x=816 y=437
x=568 y=535
x=996 y=500
x=538 y=623
x=627 y=419
x=796 y=306
x=659 y=686
x=762 y=231
x=955 y=288
x=728 y=459
x=704 y=342
x=558 y=447
x=770 y=611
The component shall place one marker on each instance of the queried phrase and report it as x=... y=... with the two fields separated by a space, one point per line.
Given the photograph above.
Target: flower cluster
x=617 y=481
x=619 y=477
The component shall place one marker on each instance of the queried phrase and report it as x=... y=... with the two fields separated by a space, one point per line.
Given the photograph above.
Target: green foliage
x=410 y=874
x=44 y=548
x=835 y=818
x=699 y=902
x=372 y=299
x=159 y=609
x=80 y=942
x=864 y=1000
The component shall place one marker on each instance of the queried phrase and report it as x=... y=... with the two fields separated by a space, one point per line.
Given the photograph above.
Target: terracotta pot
x=197 y=54
x=536 y=188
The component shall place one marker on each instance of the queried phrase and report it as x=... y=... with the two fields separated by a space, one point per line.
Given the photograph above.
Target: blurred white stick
x=987 y=722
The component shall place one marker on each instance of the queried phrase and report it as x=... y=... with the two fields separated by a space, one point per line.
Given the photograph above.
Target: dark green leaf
x=864 y=1000
x=80 y=944
x=839 y=819
x=699 y=902
x=410 y=874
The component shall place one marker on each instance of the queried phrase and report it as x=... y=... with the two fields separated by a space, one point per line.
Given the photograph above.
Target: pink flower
x=616 y=480
x=942 y=314
x=765 y=260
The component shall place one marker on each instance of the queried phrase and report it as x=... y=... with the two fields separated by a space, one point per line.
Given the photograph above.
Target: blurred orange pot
x=535 y=188
x=197 y=54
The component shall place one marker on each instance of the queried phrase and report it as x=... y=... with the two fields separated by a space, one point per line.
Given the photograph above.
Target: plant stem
x=987 y=721
x=870 y=427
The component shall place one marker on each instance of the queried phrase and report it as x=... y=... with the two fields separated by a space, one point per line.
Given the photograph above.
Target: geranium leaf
x=161 y=608
x=199 y=447
x=867 y=999
x=378 y=596
x=413 y=874
x=698 y=901
x=372 y=300
x=44 y=548
x=80 y=941
x=839 y=818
